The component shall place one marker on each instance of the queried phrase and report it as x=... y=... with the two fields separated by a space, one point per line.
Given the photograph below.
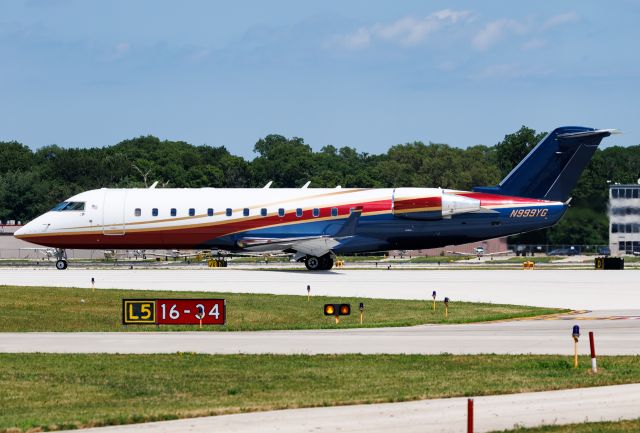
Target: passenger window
x=192 y=212
x=229 y=211
x=245 y=211
x=281 y=212
x=316 y=212
x=334 y=211
x=154 y=211
x=173 y=212
x=137 y=212
x=263 y=211
x=210 y=212
x=298 y=212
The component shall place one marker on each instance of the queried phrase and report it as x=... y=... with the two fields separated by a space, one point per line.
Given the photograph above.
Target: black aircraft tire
x=313 y=263
x=61 y=265
x=327 y=262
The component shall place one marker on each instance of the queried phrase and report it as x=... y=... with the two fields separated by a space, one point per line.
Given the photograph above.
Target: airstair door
x=113 y=209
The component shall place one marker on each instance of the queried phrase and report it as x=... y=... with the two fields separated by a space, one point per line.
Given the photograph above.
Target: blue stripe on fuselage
x=385 y=231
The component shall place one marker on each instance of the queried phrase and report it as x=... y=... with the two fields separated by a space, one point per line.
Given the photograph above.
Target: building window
x=173 y=211
x=137 y=212
x=636 y=192
x=628 y=228
x=245 y=211
x=263 y=211
x=298 y=212
x=316 y=212
x=614 y=193
x=614 y=228
x=229 y=211
x=209 y=212
x=154 y=211
x=629 y=192
x=281 y=212
x=192 y=212
x=334 y=211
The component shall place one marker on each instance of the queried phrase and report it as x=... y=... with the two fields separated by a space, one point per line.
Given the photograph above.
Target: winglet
x=349 y=226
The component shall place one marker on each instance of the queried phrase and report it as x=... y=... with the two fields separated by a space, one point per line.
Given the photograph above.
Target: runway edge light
x=575 y=333
x=337 y=309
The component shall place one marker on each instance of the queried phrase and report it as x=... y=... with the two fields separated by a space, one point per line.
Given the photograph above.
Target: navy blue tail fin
x=553 y=167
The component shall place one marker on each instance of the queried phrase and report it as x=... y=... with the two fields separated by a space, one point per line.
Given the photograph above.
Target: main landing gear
x=323 y=263
x=61 y=256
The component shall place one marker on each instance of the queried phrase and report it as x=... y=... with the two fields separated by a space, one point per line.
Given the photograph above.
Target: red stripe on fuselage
x=198 y=234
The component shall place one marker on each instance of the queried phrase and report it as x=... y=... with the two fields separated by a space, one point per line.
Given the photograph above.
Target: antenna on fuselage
x=268 y=185
x=306 y=185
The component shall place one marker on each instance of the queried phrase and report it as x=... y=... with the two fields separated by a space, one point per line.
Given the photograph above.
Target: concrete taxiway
x=576 y=289
x=499 y=412
x=613 y=337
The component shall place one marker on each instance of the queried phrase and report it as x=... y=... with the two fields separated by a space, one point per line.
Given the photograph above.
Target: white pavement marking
x=613 y=337
x=498 y=412
x=577 y=289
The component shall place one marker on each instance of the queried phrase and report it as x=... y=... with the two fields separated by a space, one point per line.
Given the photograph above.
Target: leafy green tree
x=514 y=147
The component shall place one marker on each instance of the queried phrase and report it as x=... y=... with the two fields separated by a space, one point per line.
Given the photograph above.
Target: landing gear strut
x=61 y=256
x=323 y=263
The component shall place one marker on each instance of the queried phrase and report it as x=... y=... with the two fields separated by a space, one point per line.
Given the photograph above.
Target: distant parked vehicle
x=571 y=251
x=604 y=251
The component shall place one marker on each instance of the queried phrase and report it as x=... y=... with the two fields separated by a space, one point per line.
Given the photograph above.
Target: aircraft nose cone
x=22 y=231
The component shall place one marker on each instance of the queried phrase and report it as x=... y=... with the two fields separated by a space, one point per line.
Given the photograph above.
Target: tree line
x=31 y=182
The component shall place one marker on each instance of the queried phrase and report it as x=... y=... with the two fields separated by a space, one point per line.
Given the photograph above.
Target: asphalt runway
x=613 y=337
x=575 y=289
x=498 y=412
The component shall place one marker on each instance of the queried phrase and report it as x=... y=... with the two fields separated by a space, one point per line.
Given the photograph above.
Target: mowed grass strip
x=54 y=391
x=73 y=309
x=629 y=426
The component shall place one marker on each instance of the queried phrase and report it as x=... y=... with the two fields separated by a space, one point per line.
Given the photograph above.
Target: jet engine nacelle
x=431 y=203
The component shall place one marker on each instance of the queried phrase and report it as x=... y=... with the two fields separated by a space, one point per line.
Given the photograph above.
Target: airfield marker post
x=93 y=284
x=575 y=333
x=308 y=293
x=361 y=311
x=469 y=415
x=446 y=308
x=433 y=295
x=592 y=346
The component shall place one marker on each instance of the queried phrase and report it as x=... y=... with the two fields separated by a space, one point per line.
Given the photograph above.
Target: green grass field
x=73 y=309
x=631 y=426
x=55 y=391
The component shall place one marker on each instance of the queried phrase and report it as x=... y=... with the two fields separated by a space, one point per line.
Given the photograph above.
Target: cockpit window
x=69 y=205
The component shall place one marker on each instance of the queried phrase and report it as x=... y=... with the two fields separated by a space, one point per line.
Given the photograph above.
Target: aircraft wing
x=304 y=245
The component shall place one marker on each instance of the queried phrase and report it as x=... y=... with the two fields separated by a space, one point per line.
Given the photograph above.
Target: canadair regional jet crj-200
x=315 y=224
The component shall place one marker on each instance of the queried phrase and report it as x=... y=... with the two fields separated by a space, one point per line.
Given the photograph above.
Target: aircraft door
x=113 y=209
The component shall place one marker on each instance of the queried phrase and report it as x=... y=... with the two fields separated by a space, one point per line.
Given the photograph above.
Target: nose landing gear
x=61 y=256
